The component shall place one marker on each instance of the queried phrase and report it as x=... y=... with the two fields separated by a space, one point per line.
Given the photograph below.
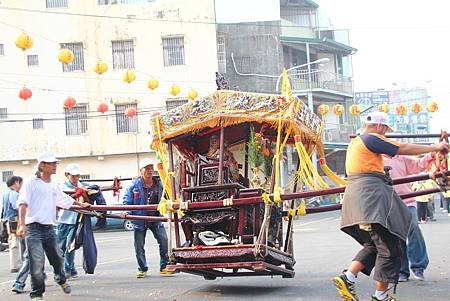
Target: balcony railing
x=338 y=133
x=320 y=80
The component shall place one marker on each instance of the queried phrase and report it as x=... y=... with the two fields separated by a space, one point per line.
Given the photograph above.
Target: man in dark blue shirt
x=145 y=190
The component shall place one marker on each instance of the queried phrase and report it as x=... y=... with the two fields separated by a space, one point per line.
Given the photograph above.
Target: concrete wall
x=235 y=11
x=259 y=43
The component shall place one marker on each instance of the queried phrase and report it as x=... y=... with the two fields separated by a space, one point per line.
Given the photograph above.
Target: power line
x=140 y=110
x=180 y=21
x=100 y=78
x=103 y=16
x=80 y=92
x=79 y=117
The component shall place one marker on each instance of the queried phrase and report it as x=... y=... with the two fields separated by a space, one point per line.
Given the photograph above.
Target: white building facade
x=172 y=41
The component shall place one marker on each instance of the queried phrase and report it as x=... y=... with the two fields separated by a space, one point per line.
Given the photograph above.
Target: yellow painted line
x=314 y=222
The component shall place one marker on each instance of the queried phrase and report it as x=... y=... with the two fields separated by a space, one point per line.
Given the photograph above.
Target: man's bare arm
x=21 y=227
x=418 y=149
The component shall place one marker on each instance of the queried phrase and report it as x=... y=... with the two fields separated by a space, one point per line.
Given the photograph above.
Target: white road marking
x=80 y=267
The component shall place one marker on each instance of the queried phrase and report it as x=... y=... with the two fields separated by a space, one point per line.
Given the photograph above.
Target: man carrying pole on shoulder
x=372 y=213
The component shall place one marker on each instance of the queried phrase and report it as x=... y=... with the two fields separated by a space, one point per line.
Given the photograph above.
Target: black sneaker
x=346 y=288
x=387 y=298
x=74 y=274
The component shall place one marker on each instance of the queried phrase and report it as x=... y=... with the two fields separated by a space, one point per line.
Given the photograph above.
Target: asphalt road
x=321 y=250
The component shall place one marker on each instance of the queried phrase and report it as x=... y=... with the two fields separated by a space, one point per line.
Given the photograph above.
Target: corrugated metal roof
x=324 y=44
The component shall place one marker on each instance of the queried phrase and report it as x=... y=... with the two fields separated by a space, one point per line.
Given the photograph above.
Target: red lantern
x=25 y=93
x=416 y=107
x=70 y=102
x=102 y=108
x=130 y=112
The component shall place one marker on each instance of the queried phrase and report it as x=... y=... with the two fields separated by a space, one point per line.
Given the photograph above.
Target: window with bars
x=85 y=177
x=76 y=120
x=6 y=174
x=32 y=60
x=2 y=49
x=3 y=113
x=56 y=3
x=78 y=61
x=38 y=123
x=125 y=124
x=175 y=102
x=221 y=54
x=123 y=54
x=173 y=50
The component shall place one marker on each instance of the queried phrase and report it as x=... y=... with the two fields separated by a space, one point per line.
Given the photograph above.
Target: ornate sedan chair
x=230 y=229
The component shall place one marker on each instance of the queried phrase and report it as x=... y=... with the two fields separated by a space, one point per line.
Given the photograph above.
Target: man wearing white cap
x=38 y=200
x=145 y=190
x=372 y=213
x=68 y=219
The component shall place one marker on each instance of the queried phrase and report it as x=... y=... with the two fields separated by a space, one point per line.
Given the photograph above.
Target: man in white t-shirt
x=38 y=200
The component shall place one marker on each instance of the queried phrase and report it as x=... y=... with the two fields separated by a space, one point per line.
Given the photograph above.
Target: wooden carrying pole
x=408 y=136
x=308 y=194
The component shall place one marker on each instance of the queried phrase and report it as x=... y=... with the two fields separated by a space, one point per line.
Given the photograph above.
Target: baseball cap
x=48 y=158
x=146 y=162
x=379 y=118
x=73 y=169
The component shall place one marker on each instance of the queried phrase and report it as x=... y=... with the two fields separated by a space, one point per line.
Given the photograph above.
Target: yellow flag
x=286 y=90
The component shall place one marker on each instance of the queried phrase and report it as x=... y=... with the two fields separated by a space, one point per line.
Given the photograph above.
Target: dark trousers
x=381 y=251
x=159 y=232
x=422 y=208
x=41 y=242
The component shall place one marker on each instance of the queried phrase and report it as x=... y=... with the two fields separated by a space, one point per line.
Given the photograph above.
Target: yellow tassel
x=277 y=195
x=331 y=175
x=162 y=207
x=266 y=198
x=301 y=210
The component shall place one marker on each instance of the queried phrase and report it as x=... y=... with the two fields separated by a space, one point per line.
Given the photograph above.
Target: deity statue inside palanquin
x=229 y=161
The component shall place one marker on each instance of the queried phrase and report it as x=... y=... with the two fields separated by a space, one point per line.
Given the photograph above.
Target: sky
x=406 y=42
x=403 y=41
